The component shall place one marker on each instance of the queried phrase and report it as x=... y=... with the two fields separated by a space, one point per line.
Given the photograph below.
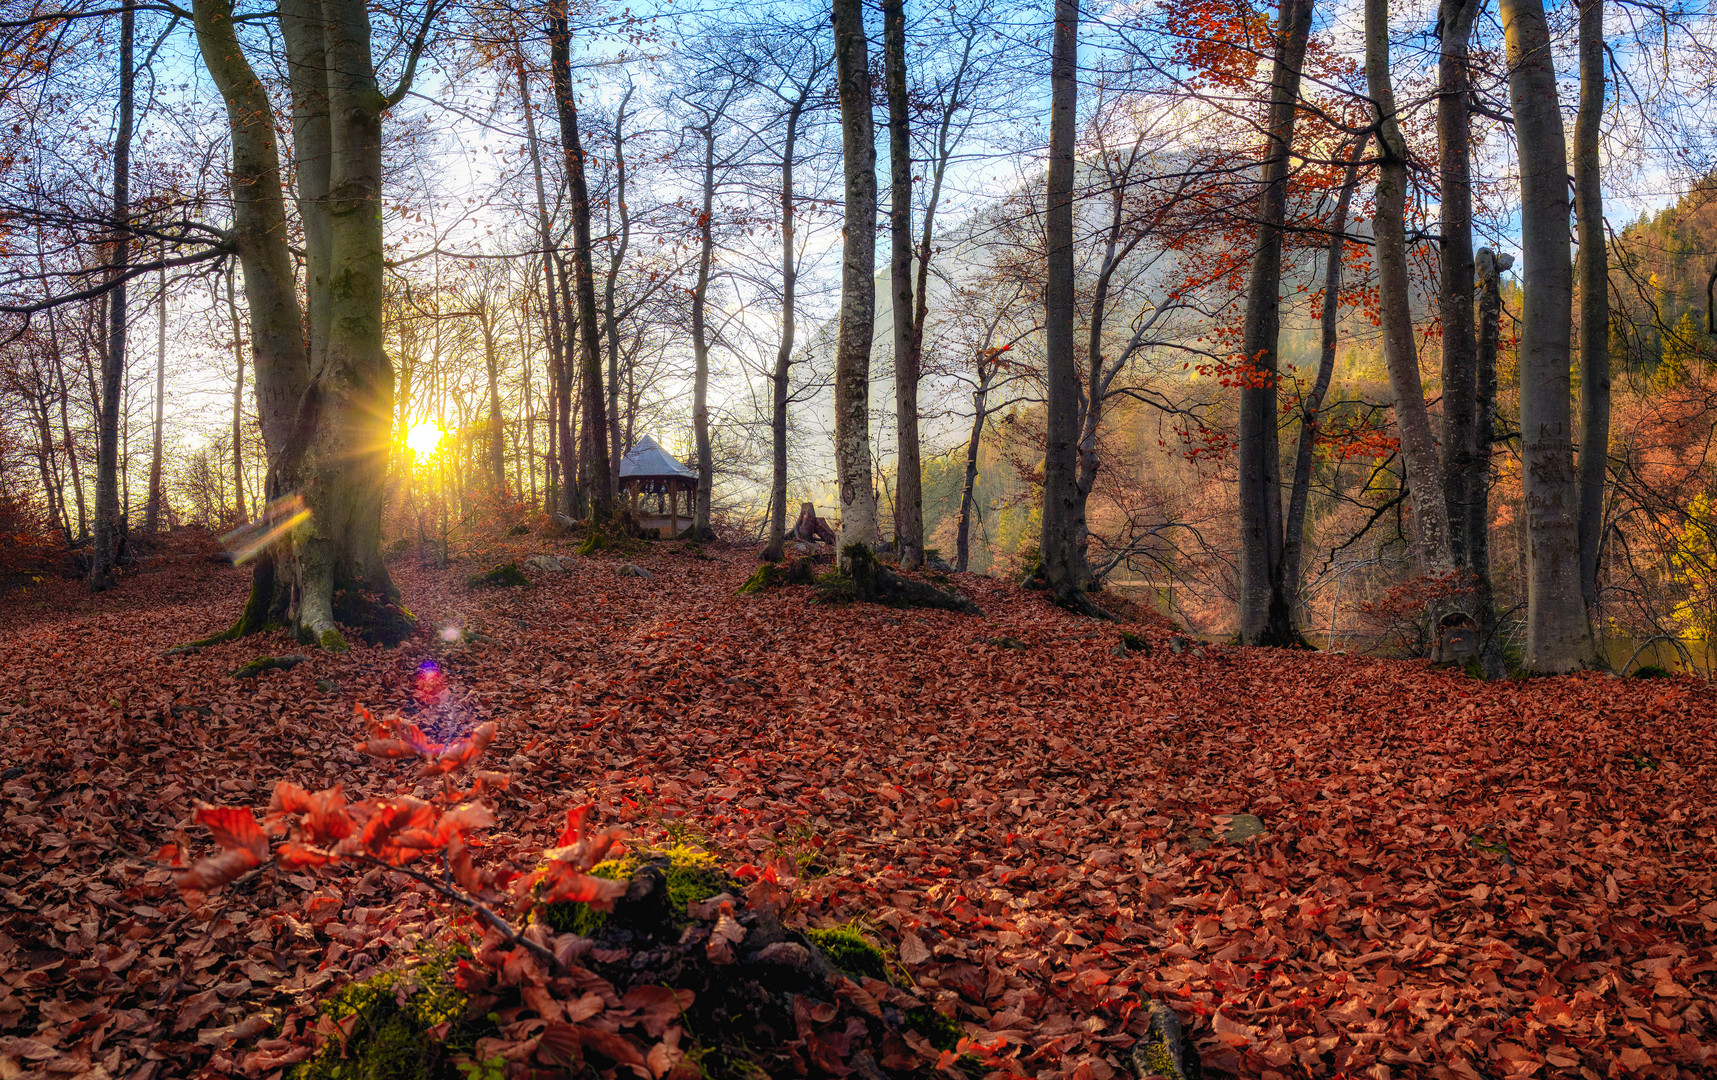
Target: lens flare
x=425 y=438
x=431 y=685
x=277 y=519
x=450 y=633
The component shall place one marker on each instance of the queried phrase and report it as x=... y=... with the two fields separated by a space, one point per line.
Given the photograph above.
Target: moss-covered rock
x=390 y=1018
x=261 y=664
x=504 y=576
x=774 y=575
x=850 y=952
x=1652 y=671
x=692 y=876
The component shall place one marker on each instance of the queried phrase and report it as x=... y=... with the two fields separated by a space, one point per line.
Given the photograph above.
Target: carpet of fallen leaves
x=1458 y=878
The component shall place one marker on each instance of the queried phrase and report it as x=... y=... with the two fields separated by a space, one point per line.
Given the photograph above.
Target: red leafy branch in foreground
x=321 y=829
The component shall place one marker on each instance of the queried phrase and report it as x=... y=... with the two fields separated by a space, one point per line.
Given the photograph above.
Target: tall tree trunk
x=1294 y=532
x=107 y=511
x=858 y=279
x=968 y=486
x=594 y=426
x=773 y=550
x=1266 y=617
x=1430 y=540
x=1455 y=293
x=616 y=262
x=327 y=416
x=1557 y=638
x=700 y=336
x=242 y=511
x=1488 y=268
x=497 y=426
x=570 y=380
x=1062 y=560
x=1593 y=270
x=559 y=431
x=909 y=476
x=66 y=428
x=152 y=508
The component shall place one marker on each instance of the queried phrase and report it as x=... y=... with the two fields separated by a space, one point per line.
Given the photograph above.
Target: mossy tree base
x=860 y=577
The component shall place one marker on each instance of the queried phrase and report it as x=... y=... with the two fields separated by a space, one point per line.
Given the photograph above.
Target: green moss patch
x=1652 y=671
x=267 y=663
x=944 y=1032
x=773 y=575
x=504 y=576
x=692 y=874
x=390 y=1037
x=850 y=952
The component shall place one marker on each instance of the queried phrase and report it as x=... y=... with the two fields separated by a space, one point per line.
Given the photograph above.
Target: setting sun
x=423 y=439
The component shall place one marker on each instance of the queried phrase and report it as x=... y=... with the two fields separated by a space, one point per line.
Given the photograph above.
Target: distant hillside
x=1659 y=279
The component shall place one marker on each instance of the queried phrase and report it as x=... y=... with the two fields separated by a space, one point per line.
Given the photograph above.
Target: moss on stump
x=504 y=576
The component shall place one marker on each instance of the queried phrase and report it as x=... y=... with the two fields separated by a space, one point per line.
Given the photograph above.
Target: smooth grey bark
x=152 y=505
x=107 y=510
x=708 y=132
x=1429 y=542
x=858 y=279
x=774 y=549
x=241 y=510
x=326 y=412
x=1592 y=268
x=1455 y=270
x=909 y=475
x=66 y=429
x=486 y=316
x=593 y=458
x=1062 y=559
x=1487 y=270
x=1557 y=638
x=1266 y=617
x=560 y=429
x=616 y=261
x=1294 y=533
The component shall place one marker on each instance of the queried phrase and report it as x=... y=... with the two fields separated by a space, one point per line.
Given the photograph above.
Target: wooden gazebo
x=650 y=470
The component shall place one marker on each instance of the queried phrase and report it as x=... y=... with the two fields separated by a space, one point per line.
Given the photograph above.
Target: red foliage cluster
x=1457 y=879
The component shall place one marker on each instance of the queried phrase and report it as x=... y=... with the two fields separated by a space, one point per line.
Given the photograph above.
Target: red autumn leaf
x=234 y=827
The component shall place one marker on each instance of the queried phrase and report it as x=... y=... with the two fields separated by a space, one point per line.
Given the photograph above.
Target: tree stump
x=811 y=527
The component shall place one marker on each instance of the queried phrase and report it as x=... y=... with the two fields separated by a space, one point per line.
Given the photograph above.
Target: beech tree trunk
x=1266 y=616
x=1430 y=539
x=774 y=549
x=858 y=279
x=242 y=511
x=700 y=329
x=326 y=414
x=1300 y=493
x=1487 y=268
x=152 y=507
x=610 y=314
x=559 y=433
x=1593 y=271
x=909 y=478
x=1455 y=292
x=1062 y=559
x=108 y=525
x=1557 y=637
x=594 y=425
x=968 y=485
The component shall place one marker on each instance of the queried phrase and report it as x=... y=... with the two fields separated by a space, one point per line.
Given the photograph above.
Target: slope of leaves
x=1457 y=878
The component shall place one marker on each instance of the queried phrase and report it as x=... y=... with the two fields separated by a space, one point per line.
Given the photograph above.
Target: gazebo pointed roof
x=648 y=461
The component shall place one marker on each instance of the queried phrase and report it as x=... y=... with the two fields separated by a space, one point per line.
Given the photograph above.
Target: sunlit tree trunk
x=909 y=476
x=773 y=550
x=1294 y=533
x=107 y=511
x=593 y=427
x=1266 y=617
x=1593 y=270
x=241 y=510
x=1557 y=636
x=152 y=507
x=858 y=279
x=1062 y=559
x=1430 y=540
x=1455 y=292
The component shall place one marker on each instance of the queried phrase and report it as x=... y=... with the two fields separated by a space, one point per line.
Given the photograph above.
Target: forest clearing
x=1454 y=877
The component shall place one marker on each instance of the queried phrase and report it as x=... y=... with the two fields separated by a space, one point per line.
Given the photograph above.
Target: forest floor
x=1456 y=878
